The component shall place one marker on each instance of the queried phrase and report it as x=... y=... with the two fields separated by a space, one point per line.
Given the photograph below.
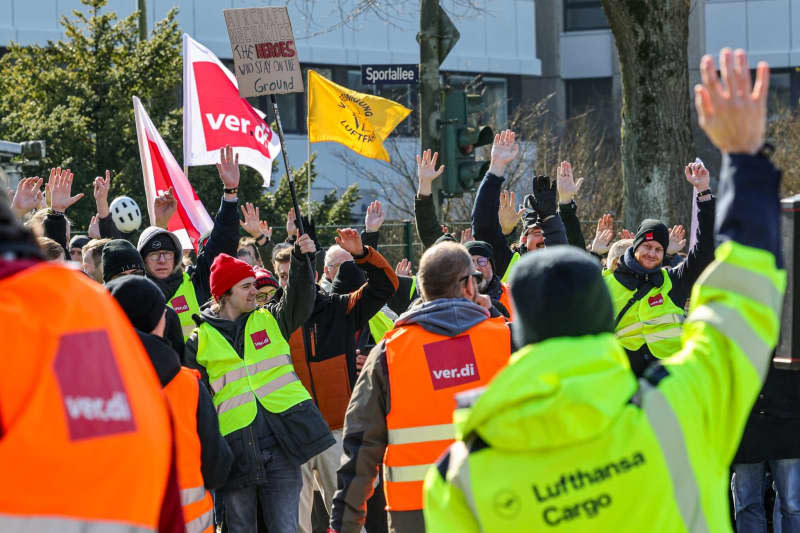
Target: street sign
x=387 y=74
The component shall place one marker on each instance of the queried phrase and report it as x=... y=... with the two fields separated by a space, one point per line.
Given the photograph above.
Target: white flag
x=161 y=171
x=215 y=115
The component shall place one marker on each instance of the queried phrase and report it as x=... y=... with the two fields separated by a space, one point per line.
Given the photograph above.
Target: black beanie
x=446 y=237
x=78 y=241
x=651 y=230
x=559 y=292
x=482 y=248
x=349 y=278
x=120 y=255
x=141 y=299
x=162 y=241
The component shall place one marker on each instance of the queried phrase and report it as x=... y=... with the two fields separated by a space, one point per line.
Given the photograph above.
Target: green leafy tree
x=76 y=95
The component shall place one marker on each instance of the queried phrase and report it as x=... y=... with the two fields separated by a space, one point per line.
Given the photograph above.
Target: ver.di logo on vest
x=658 y=299
x=260 y=339
x=179 y=304
x=451 y=362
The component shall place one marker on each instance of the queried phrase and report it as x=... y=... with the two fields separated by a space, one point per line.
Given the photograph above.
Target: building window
x=584 y=15
x=590 y=94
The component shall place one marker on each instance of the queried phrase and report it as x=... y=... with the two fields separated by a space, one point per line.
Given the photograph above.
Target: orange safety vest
x=85 y=433
x=426 y=371
x=505 y=299
x=198 y=507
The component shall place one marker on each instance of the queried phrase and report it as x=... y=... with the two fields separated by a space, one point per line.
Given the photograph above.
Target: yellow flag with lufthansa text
x=357 y=120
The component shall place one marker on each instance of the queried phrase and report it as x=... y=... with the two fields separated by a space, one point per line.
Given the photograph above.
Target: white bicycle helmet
x=125 y=214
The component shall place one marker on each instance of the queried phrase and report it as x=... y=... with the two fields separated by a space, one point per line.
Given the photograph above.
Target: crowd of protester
x=598 y=383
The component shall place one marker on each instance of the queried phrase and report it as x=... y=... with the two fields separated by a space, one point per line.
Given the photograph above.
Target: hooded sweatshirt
x=365 y=433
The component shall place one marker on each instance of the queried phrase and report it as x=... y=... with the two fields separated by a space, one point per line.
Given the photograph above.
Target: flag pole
x=292 y=191
x=308 y=178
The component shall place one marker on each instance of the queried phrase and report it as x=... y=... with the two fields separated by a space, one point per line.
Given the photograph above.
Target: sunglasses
x=477 y=275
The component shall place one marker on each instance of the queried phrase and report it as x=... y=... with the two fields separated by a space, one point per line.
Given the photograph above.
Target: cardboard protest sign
x=264 y=53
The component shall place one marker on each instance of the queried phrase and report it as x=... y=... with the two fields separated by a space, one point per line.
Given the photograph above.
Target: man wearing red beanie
x=265 y=413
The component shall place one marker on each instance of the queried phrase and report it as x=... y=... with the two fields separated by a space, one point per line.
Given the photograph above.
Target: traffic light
x=458 y=138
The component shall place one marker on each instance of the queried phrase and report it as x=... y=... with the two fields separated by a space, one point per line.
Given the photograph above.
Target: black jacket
x=773 y=429
x=215 y=455
x=300 y=432
x=486 y=224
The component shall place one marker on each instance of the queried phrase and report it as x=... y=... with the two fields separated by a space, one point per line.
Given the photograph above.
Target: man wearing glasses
x=401 y=410
x=483 y=258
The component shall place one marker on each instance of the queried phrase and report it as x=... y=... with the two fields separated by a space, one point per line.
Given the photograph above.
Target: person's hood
x=445 y=316
x=559 y=392
x=152 y=231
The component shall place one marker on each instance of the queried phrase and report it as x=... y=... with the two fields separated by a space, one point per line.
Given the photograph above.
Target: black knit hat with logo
x=120 y=255
x=651 y=230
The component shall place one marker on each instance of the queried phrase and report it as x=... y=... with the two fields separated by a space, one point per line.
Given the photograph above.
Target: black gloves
x=545 y=197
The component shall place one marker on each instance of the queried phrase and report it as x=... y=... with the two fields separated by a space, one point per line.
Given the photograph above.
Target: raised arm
x=734 y=322
x=485 y=218
x=224 y=236
x=108 y=230
x=567 y=190
x=702 y=253
x=428 y=226
x=297 y=301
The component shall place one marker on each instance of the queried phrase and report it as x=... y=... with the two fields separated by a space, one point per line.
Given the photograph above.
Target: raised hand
x=165 y=205
x=697 y=174
x=350 y=241
x=306 y=243
x=101 y=187
x=28 y=196
x=733 y=116
x=291 y=222
x=228 y=168
x=94 y=227
x=603 y=234
x=508 y=214
x=60 y=186
x=625 y=234
x=677 y=240
x=374 y=217
x=466 y=235
x=567 y=186
x=360 y=360
x=251 y=223
x=403 y=268
x=504 y=150
x=427 y=172
x=265 y=229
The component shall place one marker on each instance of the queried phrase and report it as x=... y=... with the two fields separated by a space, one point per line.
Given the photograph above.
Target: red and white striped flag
x=161 y=171
x=215 y=115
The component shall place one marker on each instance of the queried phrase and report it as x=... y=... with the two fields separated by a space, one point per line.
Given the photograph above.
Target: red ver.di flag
x=161 y=171
x=215 y=115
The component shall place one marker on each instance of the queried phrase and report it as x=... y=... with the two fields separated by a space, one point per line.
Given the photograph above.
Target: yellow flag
x=357 y=120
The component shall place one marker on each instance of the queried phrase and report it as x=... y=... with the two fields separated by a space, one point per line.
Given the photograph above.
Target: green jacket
x=565 y=438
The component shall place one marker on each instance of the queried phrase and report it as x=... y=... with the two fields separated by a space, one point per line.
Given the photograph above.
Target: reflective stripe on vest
x=380 y=325
x=426 y=371
x=202 y=524
x=265 y=372
x=669 y=433
x=184 y=302
x=48 y=524
x=654 y=319
x=510 y=267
